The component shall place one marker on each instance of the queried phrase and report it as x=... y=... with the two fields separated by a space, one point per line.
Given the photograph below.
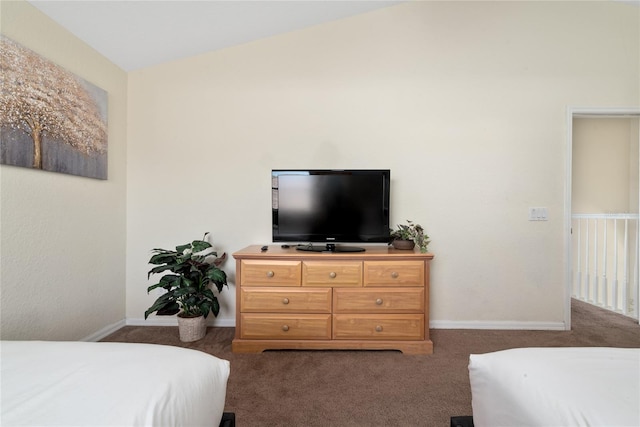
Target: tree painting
x=49 y=118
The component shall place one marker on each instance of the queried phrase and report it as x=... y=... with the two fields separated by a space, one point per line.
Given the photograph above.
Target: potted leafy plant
x=406 y=236
x=192 y=268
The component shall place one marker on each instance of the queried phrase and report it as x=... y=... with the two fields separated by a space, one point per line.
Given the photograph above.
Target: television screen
x=330 y=205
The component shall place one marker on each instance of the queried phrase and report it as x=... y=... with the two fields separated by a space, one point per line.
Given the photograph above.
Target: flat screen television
x=330 y=206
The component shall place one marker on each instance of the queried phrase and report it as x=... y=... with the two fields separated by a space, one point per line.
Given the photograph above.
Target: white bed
x=47 y=383
x=592 y=386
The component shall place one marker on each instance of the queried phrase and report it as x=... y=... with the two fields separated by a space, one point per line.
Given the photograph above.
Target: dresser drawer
x=283 y=300
x=285 y=326
x=378 y=300
x=394 y=273
x=378 y=326
x=332 y=273
x=270 y=273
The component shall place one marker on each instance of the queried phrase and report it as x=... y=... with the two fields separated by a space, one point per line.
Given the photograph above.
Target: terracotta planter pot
x=403 y=244
x=192 y=328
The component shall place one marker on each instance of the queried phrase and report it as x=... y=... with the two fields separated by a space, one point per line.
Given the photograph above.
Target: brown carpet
x=375 y=388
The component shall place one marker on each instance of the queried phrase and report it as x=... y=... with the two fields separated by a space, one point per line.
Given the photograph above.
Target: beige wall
x=62 y=238
x=605 y=165
x=464 y=102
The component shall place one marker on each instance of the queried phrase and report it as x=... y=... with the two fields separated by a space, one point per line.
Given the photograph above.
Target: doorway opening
x=602 y=206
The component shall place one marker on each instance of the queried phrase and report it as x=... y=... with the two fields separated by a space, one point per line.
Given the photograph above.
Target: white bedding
x=556 y=387
x=109 y=384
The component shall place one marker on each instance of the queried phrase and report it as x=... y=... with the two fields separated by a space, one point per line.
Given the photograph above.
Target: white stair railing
x=605 y=261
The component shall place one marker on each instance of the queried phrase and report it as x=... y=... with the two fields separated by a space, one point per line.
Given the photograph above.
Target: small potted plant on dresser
x=407 y=236
x=192 y=269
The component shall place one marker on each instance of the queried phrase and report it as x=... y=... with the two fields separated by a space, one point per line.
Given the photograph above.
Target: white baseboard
x=107 y=330
x=498 y=325
x=173 y=321
x=434 y=324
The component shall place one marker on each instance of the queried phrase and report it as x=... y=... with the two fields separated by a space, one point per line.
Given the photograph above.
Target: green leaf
x=190 y=311
x=169 y=310
x=159 y=251
x=216 y=275
x=167 y=296
x=190 y=301
x=161 y=303
x=205 y=308
x=208 y=293
x=215 y=309
x=184 y=291
x=180 y=249
x=181 y=259
x=152 y=287
x=200 y=245
x=160 y=269
x=170 y=280
x=163 y=258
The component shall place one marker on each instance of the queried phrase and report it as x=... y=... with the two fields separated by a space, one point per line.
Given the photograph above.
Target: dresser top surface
x=276 y=251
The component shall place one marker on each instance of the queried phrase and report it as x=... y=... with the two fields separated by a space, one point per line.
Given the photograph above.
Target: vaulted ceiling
x=143 y=33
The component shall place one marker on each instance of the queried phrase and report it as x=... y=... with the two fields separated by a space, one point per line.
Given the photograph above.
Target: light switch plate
x=538 y=214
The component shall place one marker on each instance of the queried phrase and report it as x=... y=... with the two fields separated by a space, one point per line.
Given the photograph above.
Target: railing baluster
x=625 y=263
x=578 y=288
x=615 y=263
x=595 y=264
x=636 y=274
x=608 y=276
x=605 y=290
x=587 y=281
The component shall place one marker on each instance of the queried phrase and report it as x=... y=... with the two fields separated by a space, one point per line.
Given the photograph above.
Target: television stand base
x=329 y=247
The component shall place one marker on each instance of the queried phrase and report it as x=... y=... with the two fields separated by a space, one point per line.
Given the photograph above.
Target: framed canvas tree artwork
x=50 y=119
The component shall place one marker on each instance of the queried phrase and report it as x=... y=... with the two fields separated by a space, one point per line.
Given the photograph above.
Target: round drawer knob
x=332 y=275
x=285 y=300
x=378 y=328
x=394 y=275
x=379 y=301
x=285 y=328
x=270 y=274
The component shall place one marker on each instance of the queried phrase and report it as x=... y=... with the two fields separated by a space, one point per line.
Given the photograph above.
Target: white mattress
x=109 y=384
x=556 y=387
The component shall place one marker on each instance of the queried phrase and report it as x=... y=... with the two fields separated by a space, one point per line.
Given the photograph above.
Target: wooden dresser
x=372 y=300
